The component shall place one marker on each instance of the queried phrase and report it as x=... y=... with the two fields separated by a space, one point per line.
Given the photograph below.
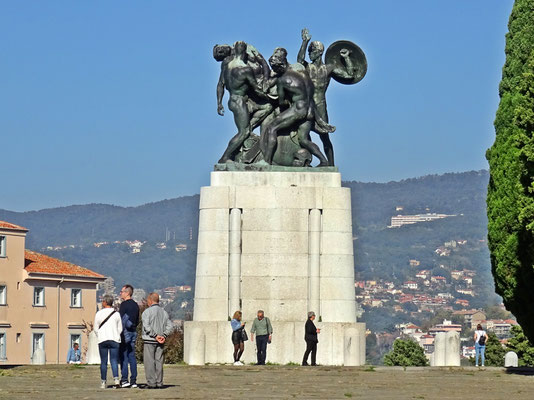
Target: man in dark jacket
x=310 y=336
x=129 y=312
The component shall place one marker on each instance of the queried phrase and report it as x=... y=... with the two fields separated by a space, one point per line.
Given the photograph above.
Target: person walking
x=480 y=337
x=156 y=327
x=129 y=312
x=263 y=329
x=310 y=336
x=237 y=336
x=108 y=328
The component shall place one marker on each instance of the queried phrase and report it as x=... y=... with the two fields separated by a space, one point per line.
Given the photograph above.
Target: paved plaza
x=275 y=382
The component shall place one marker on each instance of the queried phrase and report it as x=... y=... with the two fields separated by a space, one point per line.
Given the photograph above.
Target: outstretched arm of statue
x=349 y=71
x=220 y=94
x=306 y=37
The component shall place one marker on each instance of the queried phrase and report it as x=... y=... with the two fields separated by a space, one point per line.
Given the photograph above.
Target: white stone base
x=281 y=242
x=339 y=343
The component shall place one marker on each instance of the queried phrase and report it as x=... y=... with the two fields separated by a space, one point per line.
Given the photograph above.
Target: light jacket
x=155 y=322
x=112 y=329
x=74 y=355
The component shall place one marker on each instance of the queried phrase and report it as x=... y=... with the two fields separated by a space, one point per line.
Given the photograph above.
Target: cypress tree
x=511 y=159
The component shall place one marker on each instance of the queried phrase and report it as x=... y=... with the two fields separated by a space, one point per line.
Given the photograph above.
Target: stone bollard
x=93 y=355
x=39 y=357
x=438 y=357
x=511 y=360
x=452 y=349
x=446 y=350
x=352 y=348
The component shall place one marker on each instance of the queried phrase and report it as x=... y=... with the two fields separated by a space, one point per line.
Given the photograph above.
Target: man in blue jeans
x=129 y=312
x=263 y=329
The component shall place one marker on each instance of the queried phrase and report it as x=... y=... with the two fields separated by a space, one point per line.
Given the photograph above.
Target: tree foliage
x=520 y=344
x=494 y=351
x=406 y=353
x=510 y=200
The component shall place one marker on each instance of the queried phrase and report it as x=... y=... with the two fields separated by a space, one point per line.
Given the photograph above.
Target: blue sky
x=114 y=101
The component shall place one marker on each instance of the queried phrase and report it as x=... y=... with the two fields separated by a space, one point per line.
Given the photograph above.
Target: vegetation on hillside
x=510 y=200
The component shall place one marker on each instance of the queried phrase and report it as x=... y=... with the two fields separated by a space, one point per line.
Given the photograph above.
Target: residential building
x=45 y=303
x=401 y=220
x=471 y=317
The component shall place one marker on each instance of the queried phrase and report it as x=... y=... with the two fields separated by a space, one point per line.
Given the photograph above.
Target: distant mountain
x=380 y=253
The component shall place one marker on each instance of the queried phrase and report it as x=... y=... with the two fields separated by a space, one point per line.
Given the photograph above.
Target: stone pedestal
x=280 y=242
x=446 y=350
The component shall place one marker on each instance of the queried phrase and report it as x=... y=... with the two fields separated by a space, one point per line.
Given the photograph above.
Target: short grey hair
x=311 y=314
x=108 y=299
x=260 y=312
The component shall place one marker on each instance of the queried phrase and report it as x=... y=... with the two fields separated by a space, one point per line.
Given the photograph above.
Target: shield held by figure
x=356 y=55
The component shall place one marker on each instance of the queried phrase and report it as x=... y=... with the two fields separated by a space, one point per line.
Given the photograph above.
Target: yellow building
x=44 y=302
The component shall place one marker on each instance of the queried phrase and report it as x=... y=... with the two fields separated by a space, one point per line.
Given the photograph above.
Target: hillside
x=380 y=253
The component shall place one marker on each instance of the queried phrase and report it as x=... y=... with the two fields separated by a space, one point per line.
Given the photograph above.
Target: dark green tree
x=510 y=197
x=494 y=351
x=406 y=353
x=521 y=346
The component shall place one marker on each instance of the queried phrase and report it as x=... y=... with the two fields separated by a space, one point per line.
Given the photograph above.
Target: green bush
x=406 y=353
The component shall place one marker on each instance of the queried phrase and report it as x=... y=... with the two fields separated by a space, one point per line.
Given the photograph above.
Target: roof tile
x=9 y=225
x=43 y=264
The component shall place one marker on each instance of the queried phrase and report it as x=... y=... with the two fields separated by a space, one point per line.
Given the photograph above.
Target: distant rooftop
x=43 y=264
x=8 y=225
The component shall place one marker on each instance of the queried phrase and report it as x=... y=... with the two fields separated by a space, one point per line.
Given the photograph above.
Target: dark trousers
x=113 y=349
x=261 y=344
x=127 y=357
x=311 y=347
x=153 y=360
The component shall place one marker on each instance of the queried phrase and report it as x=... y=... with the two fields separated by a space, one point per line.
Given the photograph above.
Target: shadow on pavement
x=528 y=371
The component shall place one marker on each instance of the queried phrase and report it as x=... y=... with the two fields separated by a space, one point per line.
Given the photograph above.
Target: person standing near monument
x=263 y=329
x=129 y=312
x=480 y=337
x=108 y=329
x=310 y=336
x=237 y=337
x=156 y=327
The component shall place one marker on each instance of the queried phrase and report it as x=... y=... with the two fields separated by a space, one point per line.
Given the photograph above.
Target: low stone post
x=446 y=350
x=452 y=349
x=511 y=360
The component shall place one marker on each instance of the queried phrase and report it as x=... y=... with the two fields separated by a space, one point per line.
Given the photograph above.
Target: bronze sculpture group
x=286 y=101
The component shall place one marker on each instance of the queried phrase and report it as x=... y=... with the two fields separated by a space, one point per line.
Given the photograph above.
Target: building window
x=76 y=298
x=38 y=296
x=3 y=295
x=37 y=342
x=2 y=246
x=76 y=338
x=2 y=346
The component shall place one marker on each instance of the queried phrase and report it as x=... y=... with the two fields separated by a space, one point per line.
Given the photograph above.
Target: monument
x=275 y=233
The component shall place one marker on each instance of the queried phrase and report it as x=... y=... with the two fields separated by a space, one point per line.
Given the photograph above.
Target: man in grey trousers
x=156 y=327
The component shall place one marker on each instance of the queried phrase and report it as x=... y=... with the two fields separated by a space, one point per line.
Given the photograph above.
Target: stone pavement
x=275 y=382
